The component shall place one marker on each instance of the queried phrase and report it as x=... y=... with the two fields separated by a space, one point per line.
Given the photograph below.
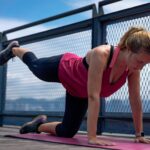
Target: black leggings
x=46 y=69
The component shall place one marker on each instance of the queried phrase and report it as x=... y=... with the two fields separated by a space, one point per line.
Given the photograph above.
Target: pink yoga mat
x=121 y=143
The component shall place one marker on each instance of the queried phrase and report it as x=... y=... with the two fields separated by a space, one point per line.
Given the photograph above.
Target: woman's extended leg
x=45 y=69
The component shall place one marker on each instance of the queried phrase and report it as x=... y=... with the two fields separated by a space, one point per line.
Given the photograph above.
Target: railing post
x=97 y=39
x=2 y=82
x=95 y=29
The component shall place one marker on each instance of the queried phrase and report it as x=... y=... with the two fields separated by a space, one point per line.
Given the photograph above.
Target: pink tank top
x=73 y=76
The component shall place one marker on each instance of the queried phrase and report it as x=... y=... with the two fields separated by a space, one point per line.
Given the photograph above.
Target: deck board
x=7 y=143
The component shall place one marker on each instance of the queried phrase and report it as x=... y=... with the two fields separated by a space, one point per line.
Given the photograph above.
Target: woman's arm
x=135 y=100
x=95 y=72
x=98 y=60
x=136 y=104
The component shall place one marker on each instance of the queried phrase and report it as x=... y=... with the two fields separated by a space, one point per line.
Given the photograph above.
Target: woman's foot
x=7 y=53
x=32 y=127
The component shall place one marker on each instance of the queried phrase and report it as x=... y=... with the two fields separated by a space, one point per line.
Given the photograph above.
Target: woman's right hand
x=96 y=141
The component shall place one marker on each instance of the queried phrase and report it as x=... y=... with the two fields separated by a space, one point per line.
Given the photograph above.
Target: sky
x=15 y=13
x=18 y=12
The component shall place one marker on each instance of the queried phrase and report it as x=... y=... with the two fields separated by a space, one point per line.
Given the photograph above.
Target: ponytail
x=123 y=40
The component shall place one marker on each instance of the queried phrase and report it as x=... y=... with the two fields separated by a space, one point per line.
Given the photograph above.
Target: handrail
x=65 y=14
x=106 y=2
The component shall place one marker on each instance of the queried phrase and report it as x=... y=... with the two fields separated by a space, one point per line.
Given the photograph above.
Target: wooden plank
x=7 y=143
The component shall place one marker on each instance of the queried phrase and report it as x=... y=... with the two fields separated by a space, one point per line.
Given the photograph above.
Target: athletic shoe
x=7 y=54
x=32 y=127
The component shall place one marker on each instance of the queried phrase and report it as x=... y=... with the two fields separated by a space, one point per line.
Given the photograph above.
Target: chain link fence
x=119 y=101
x=25 y=92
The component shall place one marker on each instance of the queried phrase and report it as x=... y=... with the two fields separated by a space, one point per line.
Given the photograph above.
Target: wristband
x=141 y=134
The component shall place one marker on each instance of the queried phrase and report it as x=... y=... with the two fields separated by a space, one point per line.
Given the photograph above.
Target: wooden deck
x=7 y=143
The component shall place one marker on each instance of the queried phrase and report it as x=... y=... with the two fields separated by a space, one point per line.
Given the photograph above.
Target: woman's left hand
x=142 y=140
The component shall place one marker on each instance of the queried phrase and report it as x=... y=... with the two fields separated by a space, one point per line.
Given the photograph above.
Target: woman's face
x=136 y=61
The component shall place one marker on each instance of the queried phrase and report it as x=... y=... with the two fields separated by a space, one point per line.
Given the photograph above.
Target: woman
x=99 y=74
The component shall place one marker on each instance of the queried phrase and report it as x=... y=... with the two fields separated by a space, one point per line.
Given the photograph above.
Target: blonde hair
x=136 y=39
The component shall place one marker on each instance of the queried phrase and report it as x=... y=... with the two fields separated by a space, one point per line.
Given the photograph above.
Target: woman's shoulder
x=103 y=47
x=102 y=51
x=133 y=73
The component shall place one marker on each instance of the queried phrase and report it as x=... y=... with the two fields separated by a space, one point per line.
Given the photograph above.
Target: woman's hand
x=142 y=140
x=97 y=141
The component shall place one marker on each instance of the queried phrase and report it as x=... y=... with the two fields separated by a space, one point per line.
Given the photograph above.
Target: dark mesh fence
x=119 y=102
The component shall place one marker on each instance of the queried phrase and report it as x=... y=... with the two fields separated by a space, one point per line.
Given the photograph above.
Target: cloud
x=22 y=83
x=74 y=4
x=108 y=8
x=77 y=4
x=9 y=23
x=123 y=5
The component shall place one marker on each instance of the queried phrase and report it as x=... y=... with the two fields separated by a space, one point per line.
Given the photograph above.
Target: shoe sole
x=37 y=120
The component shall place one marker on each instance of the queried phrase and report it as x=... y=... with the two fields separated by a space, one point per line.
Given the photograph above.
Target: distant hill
x=58 y=104
x=31 y=104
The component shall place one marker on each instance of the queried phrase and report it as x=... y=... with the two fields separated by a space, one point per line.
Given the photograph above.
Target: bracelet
x=141 y=134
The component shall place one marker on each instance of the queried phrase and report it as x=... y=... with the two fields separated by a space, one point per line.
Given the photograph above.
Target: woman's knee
x=65 y=132
x=68 y=134
x=36 y=69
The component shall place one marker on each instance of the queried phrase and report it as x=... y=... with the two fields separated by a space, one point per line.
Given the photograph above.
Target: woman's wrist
x=139 y=134
x=91 y=137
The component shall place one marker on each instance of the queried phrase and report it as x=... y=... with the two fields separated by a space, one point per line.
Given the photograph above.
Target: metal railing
x=100 y=28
